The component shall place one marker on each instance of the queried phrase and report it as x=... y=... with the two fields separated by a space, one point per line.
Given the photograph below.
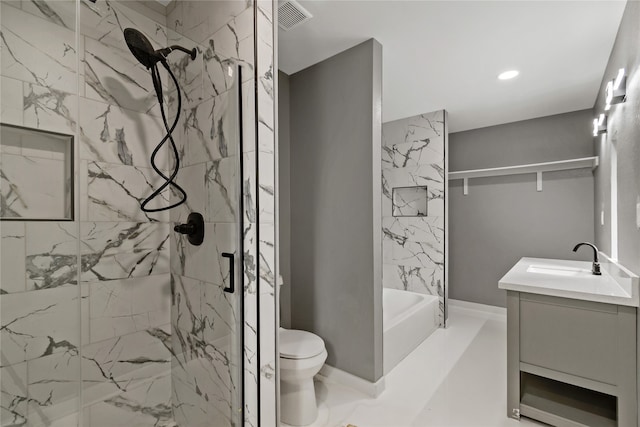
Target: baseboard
x=455 y=304
x=338 y=376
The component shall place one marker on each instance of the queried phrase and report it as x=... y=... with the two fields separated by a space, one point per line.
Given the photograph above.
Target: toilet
x=302 y=354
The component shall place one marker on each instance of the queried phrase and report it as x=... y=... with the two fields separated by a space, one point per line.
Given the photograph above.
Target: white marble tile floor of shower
x=455 y=378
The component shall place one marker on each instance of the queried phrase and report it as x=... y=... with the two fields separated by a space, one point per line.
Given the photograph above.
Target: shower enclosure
x=108 y=317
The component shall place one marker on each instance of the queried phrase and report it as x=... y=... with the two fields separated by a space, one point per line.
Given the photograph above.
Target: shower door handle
x=232 y=275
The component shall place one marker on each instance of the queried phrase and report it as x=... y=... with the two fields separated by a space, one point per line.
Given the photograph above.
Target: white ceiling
x=447 y=54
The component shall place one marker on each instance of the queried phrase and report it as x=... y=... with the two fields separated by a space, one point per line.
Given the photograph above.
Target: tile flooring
x=455 y=378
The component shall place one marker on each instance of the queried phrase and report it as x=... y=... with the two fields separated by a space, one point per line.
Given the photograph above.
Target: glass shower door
x=207 y=279
x=40 y=319
x=108 y=317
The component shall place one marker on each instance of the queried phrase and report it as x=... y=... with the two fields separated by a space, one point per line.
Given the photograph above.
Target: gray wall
x=336 y=272
x=284 y=200
x=623 y=136
x=504 y=218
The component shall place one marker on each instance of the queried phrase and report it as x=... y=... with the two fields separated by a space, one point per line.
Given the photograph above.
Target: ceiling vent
x=291 y=14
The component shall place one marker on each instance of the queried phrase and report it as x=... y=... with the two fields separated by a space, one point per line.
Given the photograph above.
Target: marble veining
x=44 y=55
x=409 y=154
x=38 y=324
x=59 y=12
x=14 y=398
x=415 y=279
x=148 y=404
x=210 y=130
x=121 y=363
x=114 y=135
x=51 y=254
x=208 y=369
x=413 y=205
x=121 y=307
x=124 y=250
x=115 y=192
x=188 y=72
x=106 y=20
x=266 y=388
x=114 y=76
x=49 y=109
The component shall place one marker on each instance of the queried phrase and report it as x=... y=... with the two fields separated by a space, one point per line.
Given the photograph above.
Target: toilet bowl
x=302 y=354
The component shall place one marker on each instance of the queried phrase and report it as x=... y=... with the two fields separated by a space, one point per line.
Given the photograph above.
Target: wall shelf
x=537 y=168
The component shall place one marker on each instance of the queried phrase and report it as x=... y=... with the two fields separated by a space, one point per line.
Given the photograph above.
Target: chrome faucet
x=595 y=269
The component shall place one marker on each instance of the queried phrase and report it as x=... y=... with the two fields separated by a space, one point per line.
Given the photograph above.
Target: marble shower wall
x=93 y=295
x=115 y=294
x=266 y=17
x=205 y=368
x=40 y=333
x=414 y=245
x=125 y=282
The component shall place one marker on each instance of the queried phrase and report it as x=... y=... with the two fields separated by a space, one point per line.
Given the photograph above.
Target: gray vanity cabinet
x=571 y=362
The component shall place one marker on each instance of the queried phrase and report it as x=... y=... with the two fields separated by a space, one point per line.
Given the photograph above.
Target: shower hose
x=157 y=84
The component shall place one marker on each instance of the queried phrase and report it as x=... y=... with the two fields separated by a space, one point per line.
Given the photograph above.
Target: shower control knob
x=193 y=229
x=185 y=228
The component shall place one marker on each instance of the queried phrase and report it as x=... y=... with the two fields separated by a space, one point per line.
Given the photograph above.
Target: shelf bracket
x=539 y=180
x=465 y=186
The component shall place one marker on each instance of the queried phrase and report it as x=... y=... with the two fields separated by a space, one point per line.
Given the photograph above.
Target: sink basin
x=557 y=270
x=573 y=279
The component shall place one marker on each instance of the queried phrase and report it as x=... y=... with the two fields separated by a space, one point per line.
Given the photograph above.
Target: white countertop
x=569 y=279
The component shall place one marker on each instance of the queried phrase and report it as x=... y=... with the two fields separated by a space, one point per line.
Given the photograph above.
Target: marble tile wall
x=40 y=316
x=116 y=294
x=266 y=64
x=91 y=296
x=414 y=245
x=205 y=320
x=125 y=252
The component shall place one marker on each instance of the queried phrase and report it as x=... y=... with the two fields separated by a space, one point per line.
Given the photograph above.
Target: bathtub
x=408 y=318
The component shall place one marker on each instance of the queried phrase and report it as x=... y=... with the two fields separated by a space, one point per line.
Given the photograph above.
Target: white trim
x=337 y=376
x=586 y=162
x=456 y=304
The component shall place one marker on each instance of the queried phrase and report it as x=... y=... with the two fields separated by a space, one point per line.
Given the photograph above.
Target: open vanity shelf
x=560 y=403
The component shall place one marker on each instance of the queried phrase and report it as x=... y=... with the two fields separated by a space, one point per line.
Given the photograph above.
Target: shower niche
x=410 y=201
x=37 y=174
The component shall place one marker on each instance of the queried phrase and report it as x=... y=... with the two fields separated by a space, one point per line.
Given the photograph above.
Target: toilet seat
x=295 y=344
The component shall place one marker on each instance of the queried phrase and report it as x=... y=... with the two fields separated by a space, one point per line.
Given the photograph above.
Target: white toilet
x=302 y=354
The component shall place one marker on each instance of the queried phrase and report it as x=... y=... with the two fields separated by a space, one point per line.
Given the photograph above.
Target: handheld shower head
x=141 y=47
x=143 y=50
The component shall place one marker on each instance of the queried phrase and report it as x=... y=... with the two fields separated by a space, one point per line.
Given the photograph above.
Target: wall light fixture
x=616 y=90
x=599 y=125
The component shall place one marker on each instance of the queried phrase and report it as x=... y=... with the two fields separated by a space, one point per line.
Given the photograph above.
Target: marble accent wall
x=414 y=246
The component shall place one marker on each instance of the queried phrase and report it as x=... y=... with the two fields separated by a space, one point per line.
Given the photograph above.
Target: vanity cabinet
x=571 y=362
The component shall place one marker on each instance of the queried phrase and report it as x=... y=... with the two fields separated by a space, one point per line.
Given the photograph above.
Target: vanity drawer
x=575 y=337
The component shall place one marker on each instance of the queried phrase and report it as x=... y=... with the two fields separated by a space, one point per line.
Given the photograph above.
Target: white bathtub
x=408 y=318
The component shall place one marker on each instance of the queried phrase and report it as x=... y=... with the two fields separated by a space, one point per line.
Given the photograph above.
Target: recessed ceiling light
x=508 y=74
